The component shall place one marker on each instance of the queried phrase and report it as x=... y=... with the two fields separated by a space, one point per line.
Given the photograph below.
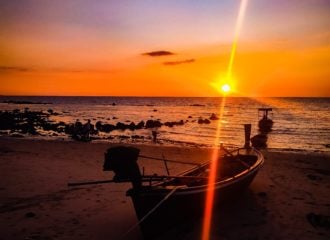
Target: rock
x=108 y=128
x=137 y=137
x=153 y=124
x=203 y=121
x=98 y=125
x=171 y=124
x=140 y=125
x=123 y=137
x=132 y=126
x=121 y=126
x=104 y=127
x=214 y=117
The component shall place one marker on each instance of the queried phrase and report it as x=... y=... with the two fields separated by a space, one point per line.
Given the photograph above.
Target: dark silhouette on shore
x=265 y=125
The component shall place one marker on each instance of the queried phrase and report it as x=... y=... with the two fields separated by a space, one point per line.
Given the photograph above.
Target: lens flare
x=211 y=180
x=215 y=156
x=238 y=27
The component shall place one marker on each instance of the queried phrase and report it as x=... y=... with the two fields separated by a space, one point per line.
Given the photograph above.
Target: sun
x=225 y=88
x=225 y=85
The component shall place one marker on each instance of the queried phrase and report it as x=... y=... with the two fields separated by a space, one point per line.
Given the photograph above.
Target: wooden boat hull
x=265 y=125
x=185 y=203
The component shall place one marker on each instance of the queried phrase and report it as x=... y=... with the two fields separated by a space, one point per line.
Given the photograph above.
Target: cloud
x=14 y=69
x=158 y=53
x=171 y=63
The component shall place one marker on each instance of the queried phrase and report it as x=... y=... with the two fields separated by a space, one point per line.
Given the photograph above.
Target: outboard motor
x=123 y=162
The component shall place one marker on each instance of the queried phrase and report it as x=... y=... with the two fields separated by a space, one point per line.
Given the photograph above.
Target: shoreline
x=148 y=142
x=35 y=202
x=179 y=121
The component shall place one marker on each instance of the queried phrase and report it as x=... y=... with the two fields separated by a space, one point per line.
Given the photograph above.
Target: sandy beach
x=289 y=199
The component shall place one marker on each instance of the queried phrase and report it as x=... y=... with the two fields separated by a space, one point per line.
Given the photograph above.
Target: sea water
x=300 y=124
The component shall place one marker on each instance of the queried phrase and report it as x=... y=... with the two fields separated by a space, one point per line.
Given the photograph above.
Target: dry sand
x=35 y=202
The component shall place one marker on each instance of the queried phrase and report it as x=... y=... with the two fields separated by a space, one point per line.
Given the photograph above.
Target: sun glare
x=225 y=88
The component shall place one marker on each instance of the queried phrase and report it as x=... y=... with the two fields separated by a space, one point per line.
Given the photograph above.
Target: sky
x=164 y=48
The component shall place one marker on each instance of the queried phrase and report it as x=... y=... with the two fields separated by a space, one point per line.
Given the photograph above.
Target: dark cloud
x=171 y=63
x=77 y=70
x=14 y=69
x=158 y=53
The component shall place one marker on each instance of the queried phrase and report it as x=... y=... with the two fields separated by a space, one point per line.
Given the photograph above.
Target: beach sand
x=35 y=202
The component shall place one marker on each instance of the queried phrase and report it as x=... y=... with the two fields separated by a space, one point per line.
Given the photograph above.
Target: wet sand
x=35 y=202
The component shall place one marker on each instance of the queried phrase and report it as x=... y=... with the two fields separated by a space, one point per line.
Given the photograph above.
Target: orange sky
x=88 y=48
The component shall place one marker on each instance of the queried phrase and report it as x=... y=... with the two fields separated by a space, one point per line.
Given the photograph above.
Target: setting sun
x=225 y=88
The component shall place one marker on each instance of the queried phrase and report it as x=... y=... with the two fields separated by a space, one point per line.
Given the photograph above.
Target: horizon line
x=131 y=96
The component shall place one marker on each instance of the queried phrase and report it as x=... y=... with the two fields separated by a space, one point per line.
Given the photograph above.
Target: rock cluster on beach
x=26 y=121
x=18 y=123
x=203 y=121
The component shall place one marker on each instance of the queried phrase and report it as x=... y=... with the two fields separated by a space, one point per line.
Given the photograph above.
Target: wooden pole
x=247 y=130
x=165 y=162
x=145 y=178
x=90 y=183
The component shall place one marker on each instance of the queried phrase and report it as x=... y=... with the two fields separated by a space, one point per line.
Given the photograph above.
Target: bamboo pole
x=145 y=178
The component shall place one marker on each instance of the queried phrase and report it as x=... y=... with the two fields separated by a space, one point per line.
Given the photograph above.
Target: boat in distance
x=265 y=123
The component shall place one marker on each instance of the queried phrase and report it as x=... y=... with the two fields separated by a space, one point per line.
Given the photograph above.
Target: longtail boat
x=265 y=123
x=164 y=201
